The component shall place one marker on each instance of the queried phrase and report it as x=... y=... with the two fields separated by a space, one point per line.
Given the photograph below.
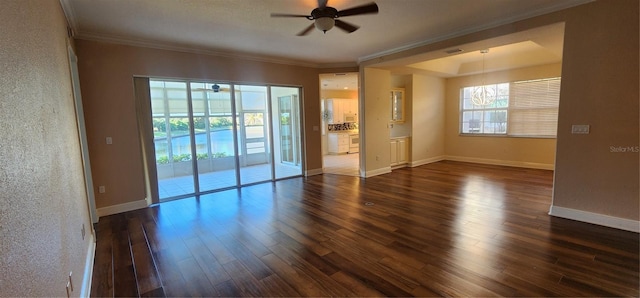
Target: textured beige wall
x=600 y=88
x=428 y=110
x=106 y=76
x=42 y=197
x=376 y=103
x=424 y=117
x=502 y=149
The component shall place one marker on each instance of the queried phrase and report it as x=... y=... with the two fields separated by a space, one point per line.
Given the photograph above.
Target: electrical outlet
x=580 y=129
x=102 y=189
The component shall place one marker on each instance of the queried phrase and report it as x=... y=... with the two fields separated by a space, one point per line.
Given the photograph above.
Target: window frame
x=509 y=110
x=483 y=110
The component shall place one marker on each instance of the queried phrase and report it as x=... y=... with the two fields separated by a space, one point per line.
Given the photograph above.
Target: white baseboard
x=88 y=268
x=377 y=172
x=313 y=172
x=399 y=166
x=425 y=161
x=498 y=162
x=115 y=209
x=596 y=218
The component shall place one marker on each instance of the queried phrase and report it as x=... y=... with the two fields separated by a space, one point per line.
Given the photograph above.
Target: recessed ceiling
x=244 y=27
x=538 y=46
x=339 y=81
x=533 y=47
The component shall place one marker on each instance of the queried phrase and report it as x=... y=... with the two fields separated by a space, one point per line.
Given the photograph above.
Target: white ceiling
x=244 y=27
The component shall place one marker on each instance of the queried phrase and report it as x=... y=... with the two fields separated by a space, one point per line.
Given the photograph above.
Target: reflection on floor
x=178 y=186
x=344 y=164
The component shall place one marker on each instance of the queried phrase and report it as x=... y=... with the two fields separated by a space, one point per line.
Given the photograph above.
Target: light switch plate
x=580 y=129
x=109 y=141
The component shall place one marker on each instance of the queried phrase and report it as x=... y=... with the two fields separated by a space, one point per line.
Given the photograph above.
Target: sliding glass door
x=253 y=136
x=171 y=131
x=210 y=136
x=286 y=130
x=213 y=123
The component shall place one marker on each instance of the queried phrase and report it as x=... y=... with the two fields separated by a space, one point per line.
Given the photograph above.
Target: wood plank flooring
x=444 y=229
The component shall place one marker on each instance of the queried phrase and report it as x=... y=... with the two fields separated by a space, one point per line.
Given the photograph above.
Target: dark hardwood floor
x=444 y=229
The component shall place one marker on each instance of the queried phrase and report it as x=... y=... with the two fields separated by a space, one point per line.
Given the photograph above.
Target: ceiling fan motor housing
x=326 y=12
x=324 y=18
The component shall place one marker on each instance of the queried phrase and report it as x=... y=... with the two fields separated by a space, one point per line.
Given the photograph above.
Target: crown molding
x=69 y=14
x=192 y=50
x=560 y=5
x=338 y=65
x=204 y=51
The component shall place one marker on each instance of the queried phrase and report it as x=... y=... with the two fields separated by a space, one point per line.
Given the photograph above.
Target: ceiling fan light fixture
x=324 y=24
x=326 y=17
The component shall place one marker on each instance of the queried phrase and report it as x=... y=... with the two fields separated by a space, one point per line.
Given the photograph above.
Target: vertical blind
x=533 y=108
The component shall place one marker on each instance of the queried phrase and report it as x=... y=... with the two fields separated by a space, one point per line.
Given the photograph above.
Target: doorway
x=212 y=136
x=339 y=102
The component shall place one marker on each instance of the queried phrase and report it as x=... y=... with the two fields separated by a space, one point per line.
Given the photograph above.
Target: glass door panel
x=170 y=109
x=253 y=140
x=286 y=131
x=198 y=149
x=214 y=136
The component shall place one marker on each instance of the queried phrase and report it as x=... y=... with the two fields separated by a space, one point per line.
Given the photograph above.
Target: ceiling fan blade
x=346 y=26
x=306 y=30
x=286 y=15
x=322 y=3
x=363 y=9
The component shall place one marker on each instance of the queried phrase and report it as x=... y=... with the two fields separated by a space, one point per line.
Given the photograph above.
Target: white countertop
x=399 y=137
x=350 y=132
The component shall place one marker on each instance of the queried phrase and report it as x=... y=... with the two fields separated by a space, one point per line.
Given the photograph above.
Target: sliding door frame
x=145 y=114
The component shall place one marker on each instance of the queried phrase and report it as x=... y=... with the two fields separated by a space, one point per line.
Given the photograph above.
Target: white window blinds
x=533 y=108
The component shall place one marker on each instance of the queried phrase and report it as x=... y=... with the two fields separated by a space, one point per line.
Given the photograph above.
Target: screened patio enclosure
x=210 y=136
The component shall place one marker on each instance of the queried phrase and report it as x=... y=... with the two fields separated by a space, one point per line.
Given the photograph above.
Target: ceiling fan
x=214 y=88
x=325 y=17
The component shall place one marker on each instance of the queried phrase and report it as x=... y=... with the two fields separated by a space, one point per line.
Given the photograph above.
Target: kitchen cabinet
x=338 y=107
x=338 y=143
x=335 y=109
x=399 y=150
x=397 y=105
x=350 y=106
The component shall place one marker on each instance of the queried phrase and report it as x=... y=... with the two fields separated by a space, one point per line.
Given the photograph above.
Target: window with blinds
x=533 y=108
x=521 y=109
